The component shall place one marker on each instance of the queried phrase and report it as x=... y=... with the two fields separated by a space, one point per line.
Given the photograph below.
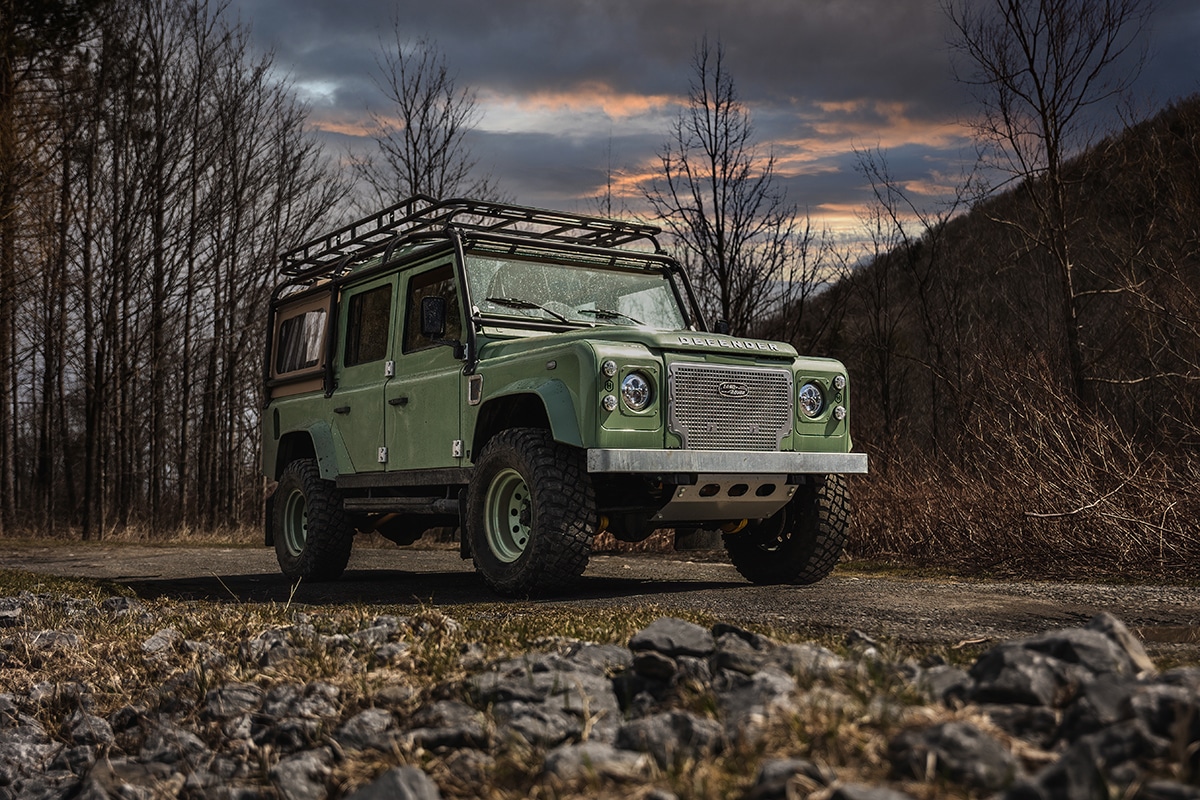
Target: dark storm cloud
x=822 y=77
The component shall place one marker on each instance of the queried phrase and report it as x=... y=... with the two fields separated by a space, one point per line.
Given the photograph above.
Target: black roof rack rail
x=326 y=254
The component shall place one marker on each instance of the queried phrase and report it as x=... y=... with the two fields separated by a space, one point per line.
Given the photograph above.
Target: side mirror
x=722 y=326
x=433 y=317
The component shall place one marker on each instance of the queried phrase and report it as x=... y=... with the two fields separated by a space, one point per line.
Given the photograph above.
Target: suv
x=534 y=378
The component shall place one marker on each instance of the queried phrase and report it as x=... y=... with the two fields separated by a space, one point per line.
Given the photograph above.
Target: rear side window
x=367 y=325
x=300 y=340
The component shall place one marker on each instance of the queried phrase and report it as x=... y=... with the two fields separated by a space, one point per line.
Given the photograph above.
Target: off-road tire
x=802 y=543
x=542 y=492
x=312 y=534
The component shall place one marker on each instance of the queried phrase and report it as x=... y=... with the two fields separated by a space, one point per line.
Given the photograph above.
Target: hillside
x=983 y=456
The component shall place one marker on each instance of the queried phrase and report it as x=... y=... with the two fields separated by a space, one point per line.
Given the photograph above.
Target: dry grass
x=1039 y=491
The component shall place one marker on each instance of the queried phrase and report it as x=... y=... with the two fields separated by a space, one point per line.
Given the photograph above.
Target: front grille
x=715 y=407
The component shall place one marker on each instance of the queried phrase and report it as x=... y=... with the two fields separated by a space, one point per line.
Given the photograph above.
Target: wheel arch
x=548 y=405
x=315 y=442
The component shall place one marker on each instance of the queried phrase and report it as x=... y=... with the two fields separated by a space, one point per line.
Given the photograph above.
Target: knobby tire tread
x=565 y=515
x=330 y=537
x=814 y=542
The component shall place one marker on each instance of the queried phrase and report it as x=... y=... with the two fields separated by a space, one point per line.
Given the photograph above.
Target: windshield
x=572 y=293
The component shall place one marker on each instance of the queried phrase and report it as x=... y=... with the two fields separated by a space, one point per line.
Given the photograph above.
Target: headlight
x=635 y=390
x=812 y=400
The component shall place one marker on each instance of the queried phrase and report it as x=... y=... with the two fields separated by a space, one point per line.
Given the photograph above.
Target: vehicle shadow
x=395 y=587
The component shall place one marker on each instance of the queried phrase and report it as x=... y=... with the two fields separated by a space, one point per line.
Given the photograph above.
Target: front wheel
x=531 y=513
x=312 y=535
x=802 y=543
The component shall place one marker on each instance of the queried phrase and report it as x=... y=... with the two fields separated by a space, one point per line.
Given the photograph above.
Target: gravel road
x=918 y=611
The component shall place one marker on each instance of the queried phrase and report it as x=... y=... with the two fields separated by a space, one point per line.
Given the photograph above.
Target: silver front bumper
x=728 y=462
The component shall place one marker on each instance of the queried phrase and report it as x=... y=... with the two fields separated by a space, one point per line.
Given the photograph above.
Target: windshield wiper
x=604 y=313
x=516 y=302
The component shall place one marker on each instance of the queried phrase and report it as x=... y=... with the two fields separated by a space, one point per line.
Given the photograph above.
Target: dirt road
x=920 y=611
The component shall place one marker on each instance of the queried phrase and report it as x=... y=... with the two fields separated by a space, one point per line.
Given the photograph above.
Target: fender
x=557 y=401
x=315 y=441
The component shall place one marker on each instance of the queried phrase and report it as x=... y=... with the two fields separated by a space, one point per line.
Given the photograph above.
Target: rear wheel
x=312 y=535
x=531 y=513
x=802 y=543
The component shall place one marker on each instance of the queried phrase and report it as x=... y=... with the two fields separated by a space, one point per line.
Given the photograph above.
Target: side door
x=363 y=367
x=424 y=400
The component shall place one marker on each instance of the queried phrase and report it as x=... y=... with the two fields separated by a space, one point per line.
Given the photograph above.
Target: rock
x=46 y=641
x=87 y=729
x=399 y=783
x=303 y=776
x=267 y=648
x=1114 y=629
x=1167 y=790
x=1091 y=649
x=1103 y=702
x=674 y=637
x=120 y=606
x=672 y=737
x=1072 y=777
x=777 y=774
x=855 y=791
x=1012 y=673
x=315 y=700
x=447 y=724
x=957 y=751
x=736 y=654
x=233 y=700
x=168 y=743
x=654 y=666
x=943 y=683
x=394 y=695
x=591 y=760
x=748 y=701
x=1035 y=724
x=165 y=641
x=369 y=729
x=806 y=661
x=601 y=658
x=537 y=724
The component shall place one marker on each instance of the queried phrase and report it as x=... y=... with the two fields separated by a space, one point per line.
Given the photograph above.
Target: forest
x=1024 y=361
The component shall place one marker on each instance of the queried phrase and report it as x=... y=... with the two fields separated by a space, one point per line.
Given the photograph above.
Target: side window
x=367 y=326
x=437 y=282
x=300 y=340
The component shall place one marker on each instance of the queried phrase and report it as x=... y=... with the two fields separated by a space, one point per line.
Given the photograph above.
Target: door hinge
x=383 y=455
x=389 y=369
x=456 y=450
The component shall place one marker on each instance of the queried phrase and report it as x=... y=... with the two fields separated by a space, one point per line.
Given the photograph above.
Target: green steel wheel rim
x=295 y=523
x=507 y=516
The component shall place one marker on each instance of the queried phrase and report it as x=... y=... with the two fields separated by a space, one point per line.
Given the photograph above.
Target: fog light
x=609 y=368
x=609 y=402
x=839 y=382
x=839 y=413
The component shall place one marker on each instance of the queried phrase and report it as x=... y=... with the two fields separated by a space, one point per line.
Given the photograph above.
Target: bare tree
x=1044 y=72
x=718 y=196
x=421 y=138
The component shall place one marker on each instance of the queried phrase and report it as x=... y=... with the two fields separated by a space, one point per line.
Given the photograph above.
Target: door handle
x=342 y=410
x=398 y=401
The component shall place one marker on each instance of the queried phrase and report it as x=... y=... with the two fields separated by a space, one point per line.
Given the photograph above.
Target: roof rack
x=422 y=213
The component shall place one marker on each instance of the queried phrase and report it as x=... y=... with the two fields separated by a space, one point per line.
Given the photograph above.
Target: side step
x=401 y=505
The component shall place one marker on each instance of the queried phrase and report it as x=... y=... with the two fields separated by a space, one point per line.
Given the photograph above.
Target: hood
x=673 y=341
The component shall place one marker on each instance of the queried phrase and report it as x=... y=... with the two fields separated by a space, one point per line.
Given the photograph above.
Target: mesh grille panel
x=729 y=408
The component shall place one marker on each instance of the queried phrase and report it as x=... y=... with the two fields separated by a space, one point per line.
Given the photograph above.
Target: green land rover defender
x=534 y=378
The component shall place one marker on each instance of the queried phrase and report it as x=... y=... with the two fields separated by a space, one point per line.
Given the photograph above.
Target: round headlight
x=812 y=400
x=635 y=390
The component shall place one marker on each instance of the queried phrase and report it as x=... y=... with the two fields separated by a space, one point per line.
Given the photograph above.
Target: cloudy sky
x=570 y=88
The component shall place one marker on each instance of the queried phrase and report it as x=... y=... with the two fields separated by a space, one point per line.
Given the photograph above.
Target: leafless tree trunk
x=421 y=134
x=1044 y=73
x=717 y=195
